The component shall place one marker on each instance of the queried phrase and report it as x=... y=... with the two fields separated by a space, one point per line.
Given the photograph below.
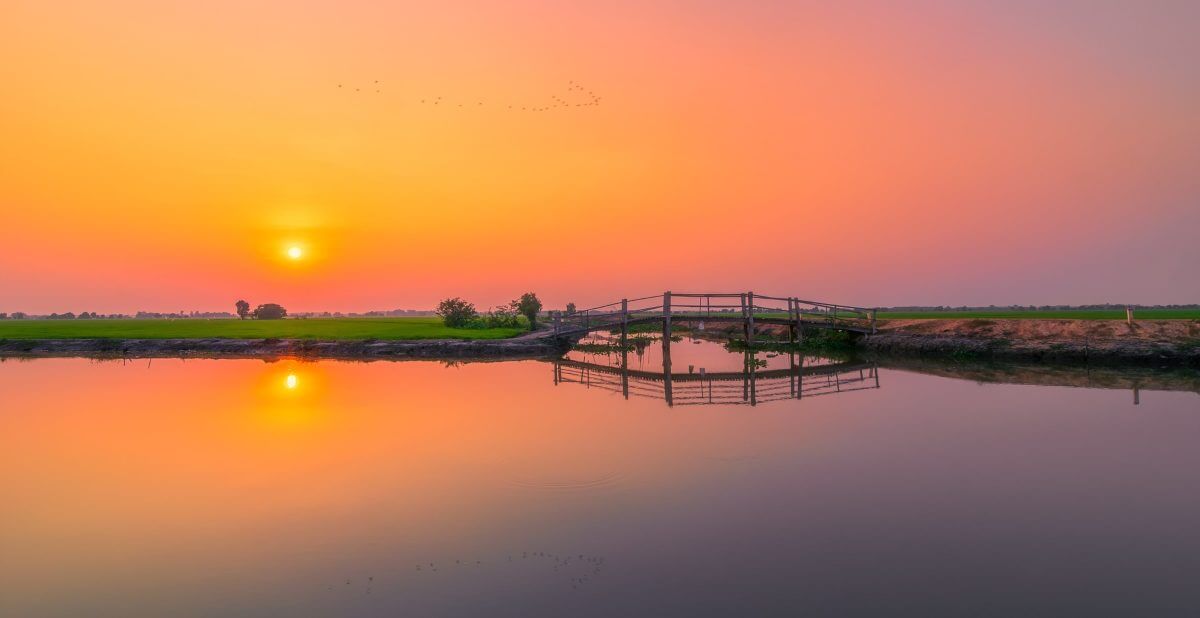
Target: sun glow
x=291 y=380
x=295 y=253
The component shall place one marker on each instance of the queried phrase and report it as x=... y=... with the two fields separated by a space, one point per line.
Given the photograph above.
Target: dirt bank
x=1045 y=374
x=1145 y=342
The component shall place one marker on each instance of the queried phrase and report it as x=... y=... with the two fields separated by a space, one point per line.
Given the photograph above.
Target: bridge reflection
x=751 y=386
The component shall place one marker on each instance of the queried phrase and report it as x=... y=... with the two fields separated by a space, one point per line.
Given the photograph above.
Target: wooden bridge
x=747 y=308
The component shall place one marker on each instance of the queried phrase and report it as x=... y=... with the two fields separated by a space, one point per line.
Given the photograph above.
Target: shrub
x=456 y=312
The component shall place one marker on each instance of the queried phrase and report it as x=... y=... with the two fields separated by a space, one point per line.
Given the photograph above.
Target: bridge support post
x=742 y=298
x=666 y=309
x=792 y=319
x=625 y=347
x=750 y=319
x=666 y=350
x=624 y=320
x=799 y=326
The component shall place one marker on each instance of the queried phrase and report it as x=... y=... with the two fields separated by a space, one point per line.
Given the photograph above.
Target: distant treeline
x=1103 y=307
x=202 y=315
x=394 y=313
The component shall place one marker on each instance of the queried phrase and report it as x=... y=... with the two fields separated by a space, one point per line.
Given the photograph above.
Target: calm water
x=243 y=488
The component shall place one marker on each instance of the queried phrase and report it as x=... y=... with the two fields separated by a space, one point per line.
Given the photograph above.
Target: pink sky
x=164 y=158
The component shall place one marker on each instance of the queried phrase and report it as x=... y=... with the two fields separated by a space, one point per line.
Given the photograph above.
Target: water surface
x=244 y=488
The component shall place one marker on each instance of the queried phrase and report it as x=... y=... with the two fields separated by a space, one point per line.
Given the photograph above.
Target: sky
x=165 y=156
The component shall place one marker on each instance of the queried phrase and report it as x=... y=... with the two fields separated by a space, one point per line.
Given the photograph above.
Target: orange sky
x=164 y=157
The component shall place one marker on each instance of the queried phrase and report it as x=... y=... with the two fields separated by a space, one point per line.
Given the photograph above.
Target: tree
x=570 y=308
x=529 y=306
x=269 y=311
x=243 y=309
x=456 y=312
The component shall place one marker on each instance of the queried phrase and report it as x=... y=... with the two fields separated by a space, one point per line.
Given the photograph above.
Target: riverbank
x=271 y=349
x=1095 y=342
x=1149 y=343
x=1120 y=377
x=320 y=329
x=1100 y=342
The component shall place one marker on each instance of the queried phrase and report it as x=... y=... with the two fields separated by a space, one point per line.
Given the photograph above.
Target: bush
x=269 y=311
x=499 y=317
x=456 y=312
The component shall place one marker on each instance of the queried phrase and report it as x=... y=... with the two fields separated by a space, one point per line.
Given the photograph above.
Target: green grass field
x=1081 y=314
x=323 y=328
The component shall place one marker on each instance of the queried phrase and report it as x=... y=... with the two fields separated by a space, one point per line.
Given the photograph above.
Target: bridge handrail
x=832 y=306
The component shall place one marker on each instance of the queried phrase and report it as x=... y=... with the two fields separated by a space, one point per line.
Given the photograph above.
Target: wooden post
x=624 y=320
x=1129 y=315
x=625 y=348
x=750 y=319
x=557 y=322
x=873 y=315
x=799 y=322
x=666 y=352
x=792 y=319
x=742 y=299
x=666 y=315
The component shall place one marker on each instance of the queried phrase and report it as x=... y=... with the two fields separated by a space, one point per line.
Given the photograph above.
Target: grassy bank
x=328 y=329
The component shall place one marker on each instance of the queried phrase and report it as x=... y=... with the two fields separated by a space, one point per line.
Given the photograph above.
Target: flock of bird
x=575 y=97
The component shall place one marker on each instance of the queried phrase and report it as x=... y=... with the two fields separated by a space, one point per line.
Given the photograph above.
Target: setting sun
x=295 y=253
x=291 y=380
